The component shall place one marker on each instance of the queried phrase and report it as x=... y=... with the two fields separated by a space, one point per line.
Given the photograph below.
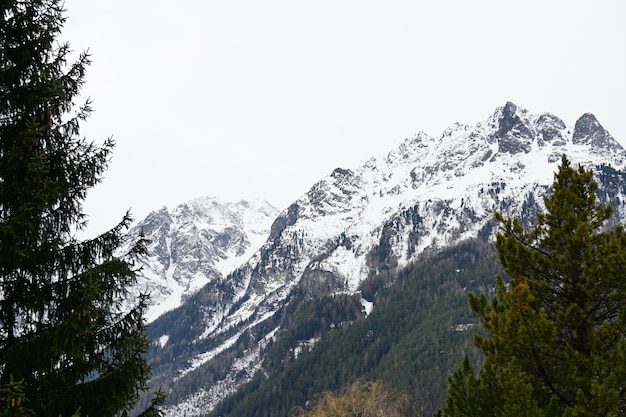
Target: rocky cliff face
x=426 y=194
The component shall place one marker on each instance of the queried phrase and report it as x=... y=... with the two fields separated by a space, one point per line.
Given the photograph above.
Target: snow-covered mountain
x=426 y=194
x=195 y=243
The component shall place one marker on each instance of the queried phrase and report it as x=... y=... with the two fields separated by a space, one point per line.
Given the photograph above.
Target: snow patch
x=463 y=327
x=162 y=341
x=368 y=306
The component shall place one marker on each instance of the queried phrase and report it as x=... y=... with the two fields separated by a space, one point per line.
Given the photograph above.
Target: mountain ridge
x=424 y=195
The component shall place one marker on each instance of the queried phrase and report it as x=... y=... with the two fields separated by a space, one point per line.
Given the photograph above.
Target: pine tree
x=65 y=334
x=560 y=324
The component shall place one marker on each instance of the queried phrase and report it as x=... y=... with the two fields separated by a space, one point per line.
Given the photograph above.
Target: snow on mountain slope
x=427 y=193
x=197 y=242
x=449 y=187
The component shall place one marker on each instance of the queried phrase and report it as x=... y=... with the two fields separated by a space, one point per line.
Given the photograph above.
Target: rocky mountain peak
x=197 y=242
x=514 y=133
x=589 y=131
x=549 y=129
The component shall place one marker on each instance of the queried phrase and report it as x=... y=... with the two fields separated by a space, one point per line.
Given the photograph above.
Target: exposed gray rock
x=513 y=134
x=589 y=131
x=549 y=128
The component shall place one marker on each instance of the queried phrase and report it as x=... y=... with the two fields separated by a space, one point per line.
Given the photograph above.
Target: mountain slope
x=425 y=195
x=417 y=334
x=197 y=242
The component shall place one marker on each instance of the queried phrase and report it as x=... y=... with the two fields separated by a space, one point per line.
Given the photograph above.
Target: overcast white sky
x=243 y=99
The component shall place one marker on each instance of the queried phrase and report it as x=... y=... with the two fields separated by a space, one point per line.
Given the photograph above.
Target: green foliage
x=556 y=333
x=502 y=392
x=64 y=332
x=14 y=400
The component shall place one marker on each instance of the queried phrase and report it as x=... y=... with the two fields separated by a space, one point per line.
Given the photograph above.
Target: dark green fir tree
x=556 y=334
x=68 y=339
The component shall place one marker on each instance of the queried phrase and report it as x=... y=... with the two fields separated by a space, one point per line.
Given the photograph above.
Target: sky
x=245 y=99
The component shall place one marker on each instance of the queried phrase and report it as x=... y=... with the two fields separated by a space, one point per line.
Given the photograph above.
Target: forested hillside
x=417 y=334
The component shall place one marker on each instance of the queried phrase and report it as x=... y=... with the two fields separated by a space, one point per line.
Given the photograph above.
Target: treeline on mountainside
x=555 y=336
x=412 y=341
x=69 y=343
x=307 y=320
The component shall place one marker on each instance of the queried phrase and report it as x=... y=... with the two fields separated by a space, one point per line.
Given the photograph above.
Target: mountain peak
x=514 y=133
x=588 y=131
x=199 y=241
x=549 y=129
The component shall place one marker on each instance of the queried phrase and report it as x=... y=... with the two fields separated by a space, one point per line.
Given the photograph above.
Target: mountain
x=197 y=242
x=426 y=195
x=416 y=335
